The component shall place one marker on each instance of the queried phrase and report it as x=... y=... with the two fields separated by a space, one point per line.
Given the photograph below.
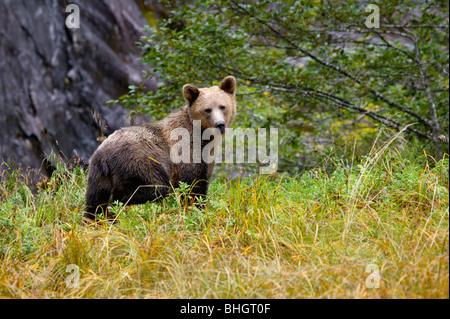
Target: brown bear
x=134 y=164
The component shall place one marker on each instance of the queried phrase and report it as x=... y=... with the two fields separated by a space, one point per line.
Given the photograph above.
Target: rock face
x=54 y=81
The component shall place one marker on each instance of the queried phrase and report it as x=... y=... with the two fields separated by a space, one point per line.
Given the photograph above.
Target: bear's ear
x=228 y=84
x=191 y=93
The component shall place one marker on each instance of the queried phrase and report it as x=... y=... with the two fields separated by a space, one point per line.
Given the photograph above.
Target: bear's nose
x=221 y=126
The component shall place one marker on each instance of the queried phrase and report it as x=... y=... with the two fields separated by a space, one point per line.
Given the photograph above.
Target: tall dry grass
x=308 y=236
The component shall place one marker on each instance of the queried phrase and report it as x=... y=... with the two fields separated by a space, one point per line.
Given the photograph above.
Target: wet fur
x=133 y=164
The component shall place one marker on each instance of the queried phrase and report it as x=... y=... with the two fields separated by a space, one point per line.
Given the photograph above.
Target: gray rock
x=54 y=81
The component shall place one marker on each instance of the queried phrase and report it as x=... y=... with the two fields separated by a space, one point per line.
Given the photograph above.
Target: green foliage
x=311 y=68
x=305 y=236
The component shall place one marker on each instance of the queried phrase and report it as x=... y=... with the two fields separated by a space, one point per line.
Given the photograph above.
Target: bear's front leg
x=199 y=192
x=195 y=175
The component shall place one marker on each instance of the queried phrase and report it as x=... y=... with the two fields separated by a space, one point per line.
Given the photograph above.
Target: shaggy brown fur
x=133 y=165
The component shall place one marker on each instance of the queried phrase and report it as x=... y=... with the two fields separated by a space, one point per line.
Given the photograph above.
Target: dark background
x=54 y=81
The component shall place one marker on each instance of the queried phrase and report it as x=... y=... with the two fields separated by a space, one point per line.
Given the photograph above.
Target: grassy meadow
x=316 y=235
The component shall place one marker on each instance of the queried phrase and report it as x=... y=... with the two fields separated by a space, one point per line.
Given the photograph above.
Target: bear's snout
x=221 y=126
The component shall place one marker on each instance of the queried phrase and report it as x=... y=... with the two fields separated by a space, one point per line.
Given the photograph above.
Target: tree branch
x=328 y=65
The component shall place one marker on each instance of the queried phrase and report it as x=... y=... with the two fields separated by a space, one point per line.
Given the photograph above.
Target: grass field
x=316 y=235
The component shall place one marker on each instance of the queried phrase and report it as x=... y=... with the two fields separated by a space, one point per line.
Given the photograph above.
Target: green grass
x=307 y=236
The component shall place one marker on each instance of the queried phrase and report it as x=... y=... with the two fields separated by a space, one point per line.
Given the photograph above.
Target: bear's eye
x=208 y=111
x=222 y=108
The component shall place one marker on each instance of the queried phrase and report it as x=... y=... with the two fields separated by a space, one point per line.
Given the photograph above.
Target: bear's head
x=214 y=106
